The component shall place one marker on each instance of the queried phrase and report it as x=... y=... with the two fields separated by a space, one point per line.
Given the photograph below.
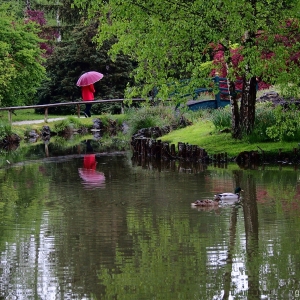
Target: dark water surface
x=125 y=231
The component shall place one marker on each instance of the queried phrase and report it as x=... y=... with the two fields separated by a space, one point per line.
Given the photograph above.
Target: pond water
x=125 y=229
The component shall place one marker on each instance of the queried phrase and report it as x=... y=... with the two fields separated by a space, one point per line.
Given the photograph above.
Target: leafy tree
x=76 y=56
x=21 y=70
x=171 y=41
x=61 y=16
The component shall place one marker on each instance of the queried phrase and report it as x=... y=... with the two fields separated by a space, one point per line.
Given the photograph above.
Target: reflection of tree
x=169 y=258
x=113 y=245
x=251 y=230
x=133 y=248
x=23 y=191
x=237 y=179
x=232 y=239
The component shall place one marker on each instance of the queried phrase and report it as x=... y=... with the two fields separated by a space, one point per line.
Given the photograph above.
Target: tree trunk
x=248 y=101
x=235 y=121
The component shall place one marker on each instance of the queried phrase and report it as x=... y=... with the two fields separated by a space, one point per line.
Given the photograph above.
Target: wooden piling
x=173 y=151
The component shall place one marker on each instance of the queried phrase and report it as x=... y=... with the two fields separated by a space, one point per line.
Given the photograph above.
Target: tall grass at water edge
x=5 y=129
x=150 y=116
x=271 y=125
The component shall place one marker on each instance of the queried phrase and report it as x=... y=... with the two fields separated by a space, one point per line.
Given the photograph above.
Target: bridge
x=219 y=101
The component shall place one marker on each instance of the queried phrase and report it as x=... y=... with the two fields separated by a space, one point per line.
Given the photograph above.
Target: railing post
x=9 y=117
x=78 y=110
x=122 y=107
x=46 y=115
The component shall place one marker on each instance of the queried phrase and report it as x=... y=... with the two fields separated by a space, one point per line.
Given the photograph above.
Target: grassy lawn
x=204 y=135
x=30 y=115
x=25 y=115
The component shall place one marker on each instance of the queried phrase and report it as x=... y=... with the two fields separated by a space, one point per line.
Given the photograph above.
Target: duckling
x=206 y=202
x=229 y=197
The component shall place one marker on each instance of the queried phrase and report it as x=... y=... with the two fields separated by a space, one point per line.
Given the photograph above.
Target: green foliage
x=170 y=40
x=21 y=69
x=264 y=118
x=143 y=122
x=78 y=55
x=14 y=7
x=5 y=129
x=221 y=117
x=195 y=116
x=150 y=116
x=106 y=118
x=68 y=124
x=75 y=121
x=62 y=125
x=287 y=124
x=270 y=124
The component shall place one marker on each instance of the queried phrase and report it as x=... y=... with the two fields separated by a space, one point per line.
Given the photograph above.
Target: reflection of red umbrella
x=92 y=178
x=89 y=175
x=89 y=78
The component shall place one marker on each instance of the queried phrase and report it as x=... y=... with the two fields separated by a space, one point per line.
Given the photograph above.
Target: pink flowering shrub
x=48 y=34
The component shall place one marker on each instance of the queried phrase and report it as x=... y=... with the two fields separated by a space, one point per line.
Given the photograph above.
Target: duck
x=229 y=197
x=206 y=203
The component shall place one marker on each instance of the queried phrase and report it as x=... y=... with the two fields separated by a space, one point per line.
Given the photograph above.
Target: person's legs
x=85 y=114
x=87 y=110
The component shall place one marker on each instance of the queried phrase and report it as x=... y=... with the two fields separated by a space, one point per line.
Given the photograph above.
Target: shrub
x=5 y=130
x=68 y=124
x=264 y=118
x=150 y=116
x=286 y=126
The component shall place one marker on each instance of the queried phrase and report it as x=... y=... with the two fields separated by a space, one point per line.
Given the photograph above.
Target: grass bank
x=203 y=134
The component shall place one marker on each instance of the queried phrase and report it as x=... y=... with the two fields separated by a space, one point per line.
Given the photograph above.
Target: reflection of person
x=89 y=162
x=89 y=148
x=87 y=93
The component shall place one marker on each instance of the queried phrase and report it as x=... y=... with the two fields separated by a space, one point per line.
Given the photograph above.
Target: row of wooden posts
x=148 y=147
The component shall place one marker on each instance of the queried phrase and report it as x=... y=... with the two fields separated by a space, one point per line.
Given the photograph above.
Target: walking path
x=39 y=121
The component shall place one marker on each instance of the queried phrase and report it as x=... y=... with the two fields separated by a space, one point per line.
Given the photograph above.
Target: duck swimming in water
x=229 y=197
x=223 y=198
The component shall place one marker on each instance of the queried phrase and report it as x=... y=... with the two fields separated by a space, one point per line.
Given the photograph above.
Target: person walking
x=86 y=82
x=87 y=93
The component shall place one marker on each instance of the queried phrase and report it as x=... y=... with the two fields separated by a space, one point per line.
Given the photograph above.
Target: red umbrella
x=89 y=78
